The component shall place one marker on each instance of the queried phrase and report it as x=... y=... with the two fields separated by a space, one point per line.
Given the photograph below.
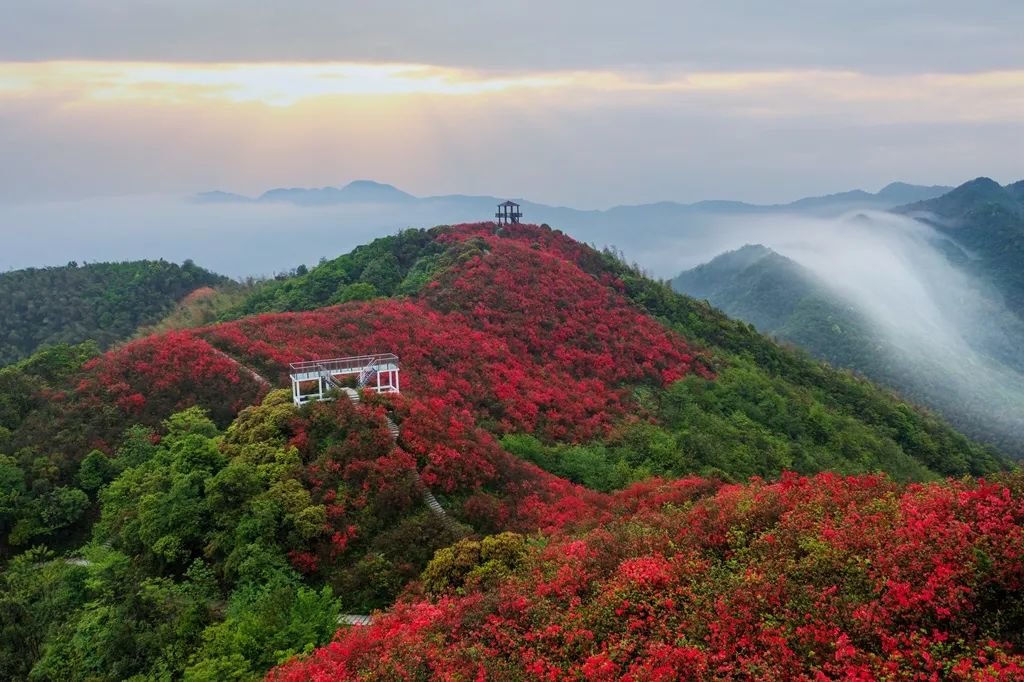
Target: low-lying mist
x=234 y=239
x=941 y=329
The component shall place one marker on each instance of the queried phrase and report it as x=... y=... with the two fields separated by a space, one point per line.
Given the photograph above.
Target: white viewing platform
x=313 y=379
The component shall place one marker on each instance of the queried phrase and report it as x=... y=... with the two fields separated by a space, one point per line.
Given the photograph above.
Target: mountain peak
x=980 y=187
x=374 y=187
x=355 y=192
x=905 y=193
x=968 y=197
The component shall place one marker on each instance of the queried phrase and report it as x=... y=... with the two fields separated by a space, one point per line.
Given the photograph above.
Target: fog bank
x=940 y=329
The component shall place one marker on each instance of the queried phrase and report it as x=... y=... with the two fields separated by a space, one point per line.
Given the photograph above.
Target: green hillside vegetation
x=785 y=301
x=133 y=603
x=100 y=302
x=203 y=306
x=395 y=265
x=919 y=434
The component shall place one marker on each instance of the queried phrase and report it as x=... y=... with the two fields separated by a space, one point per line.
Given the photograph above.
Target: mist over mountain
x=931 y=309
x=726 y=398
x=987 y=221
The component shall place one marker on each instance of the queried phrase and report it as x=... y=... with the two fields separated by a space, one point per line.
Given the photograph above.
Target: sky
x=568 y=102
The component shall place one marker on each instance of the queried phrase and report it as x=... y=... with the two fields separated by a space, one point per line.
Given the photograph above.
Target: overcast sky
x=574 y=102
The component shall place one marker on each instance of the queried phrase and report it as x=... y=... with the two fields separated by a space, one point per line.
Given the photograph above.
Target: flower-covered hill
x=512 y=339
x=541 y=380
x=505 y=339
x=516 y=343
x=823 y=578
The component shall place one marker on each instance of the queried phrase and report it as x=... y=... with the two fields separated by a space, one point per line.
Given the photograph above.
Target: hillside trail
x=256 y=376
x=458 y=529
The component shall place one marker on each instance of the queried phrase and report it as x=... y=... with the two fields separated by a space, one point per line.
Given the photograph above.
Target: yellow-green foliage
x=473 y=562
x=201 y=307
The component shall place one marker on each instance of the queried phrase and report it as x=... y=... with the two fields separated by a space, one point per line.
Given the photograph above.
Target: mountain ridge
x=370 y=191
x=980 y=228
x=104 y=302
x=987 y=220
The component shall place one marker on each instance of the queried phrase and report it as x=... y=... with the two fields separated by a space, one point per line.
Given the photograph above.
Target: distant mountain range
x=360 y=191
x=663 y=236
x=370 y=192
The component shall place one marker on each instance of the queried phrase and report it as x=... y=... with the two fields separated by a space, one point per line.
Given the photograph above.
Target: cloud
x=585 y=138
x=869 y=35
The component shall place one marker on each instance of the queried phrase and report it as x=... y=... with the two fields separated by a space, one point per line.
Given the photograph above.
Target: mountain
x=102 y=302
x=899 y=193
x=356 y=192
x=169 y=512
x=787 y=301
x=663 y=236
x=219 y=197
x=360 y=191
x=987 y=221
x=754 y=284
x=368 y=191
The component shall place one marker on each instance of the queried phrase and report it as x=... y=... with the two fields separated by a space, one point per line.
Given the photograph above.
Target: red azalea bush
x=812 y=579
x=145 y=381
x=538 y=237
x=367 y=486
x=517 y=337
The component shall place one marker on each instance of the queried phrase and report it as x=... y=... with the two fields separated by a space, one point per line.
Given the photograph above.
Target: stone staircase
x=360 y=620
x=428 y=497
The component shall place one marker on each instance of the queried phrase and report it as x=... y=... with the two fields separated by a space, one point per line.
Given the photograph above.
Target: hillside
x=784 y=300
x=987 y=220
x=824 y=578
x=977 y=223
x=101 y=302
x=211 y=530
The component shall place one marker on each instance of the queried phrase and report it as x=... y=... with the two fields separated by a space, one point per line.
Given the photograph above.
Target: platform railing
x=350 y=365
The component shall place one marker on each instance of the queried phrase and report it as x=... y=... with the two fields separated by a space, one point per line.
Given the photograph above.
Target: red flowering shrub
x=815 y=579
x=518 y=336
x=146 y=381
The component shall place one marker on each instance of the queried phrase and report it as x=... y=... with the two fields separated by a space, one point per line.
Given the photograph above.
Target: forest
x=99 y=302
